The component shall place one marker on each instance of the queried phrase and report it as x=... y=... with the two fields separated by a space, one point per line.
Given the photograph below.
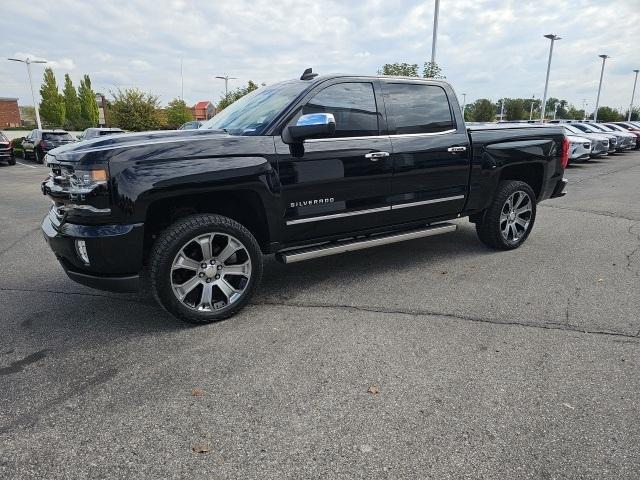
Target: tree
x=515 y=109
x=432 y=70
x=483 y=110
x=399 y=69
x=71 y=104
x=52 y=106
x=89 y=113
x=177 y=113
x=574 y=114
x=134 y=110
x=236 y=94
x=527 y=107
x=635 y=114
x=608 y=114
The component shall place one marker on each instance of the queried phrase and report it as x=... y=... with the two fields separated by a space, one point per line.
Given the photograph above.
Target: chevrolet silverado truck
x=305 y=168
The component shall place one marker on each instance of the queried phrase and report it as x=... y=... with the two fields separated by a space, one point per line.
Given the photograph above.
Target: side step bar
x=298 y=255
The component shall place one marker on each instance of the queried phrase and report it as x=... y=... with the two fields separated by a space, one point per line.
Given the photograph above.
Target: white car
x=579 y=148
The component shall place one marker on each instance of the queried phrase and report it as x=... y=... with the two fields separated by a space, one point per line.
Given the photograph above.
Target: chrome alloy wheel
x=515 y=216
x=210 y=272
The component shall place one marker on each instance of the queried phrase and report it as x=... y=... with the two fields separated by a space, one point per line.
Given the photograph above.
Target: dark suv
x=6 y=150
x=39 y=142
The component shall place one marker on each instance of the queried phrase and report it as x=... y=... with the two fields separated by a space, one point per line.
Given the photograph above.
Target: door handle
x=456 y=149
x=374 y=156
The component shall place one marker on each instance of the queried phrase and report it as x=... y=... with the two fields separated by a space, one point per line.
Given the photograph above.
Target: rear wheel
x=205 y=268
x=507 y=222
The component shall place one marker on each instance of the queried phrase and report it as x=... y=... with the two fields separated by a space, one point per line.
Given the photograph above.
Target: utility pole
x=533 y=99
x=226 y=79
x=595 y=113
x=464 y=103
x=435 y=32
x=553 y=38
x=633 y=95
x=28 y=62
x=502 y=109
x=555 y=109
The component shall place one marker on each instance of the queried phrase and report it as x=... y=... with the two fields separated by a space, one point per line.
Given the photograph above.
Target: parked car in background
x=628 y=140
x=90 y=133
x=599 y=141
x=39 y=142
x=579 y=149
x=6 y=150
x=635 y=132
x=614 y=139
x=194 y=125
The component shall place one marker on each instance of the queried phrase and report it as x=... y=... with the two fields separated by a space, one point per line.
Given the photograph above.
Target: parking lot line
x=25 y=165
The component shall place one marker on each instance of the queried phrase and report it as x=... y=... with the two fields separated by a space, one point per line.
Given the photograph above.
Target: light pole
x=586 y=106
x=502 y=109
x=553 y=38
x=533 y=99
x=226 y=79
x=555 y=109
x=595 y=113
x=464 y=103
x=435 y=32
x=633 y=95
x=28 y=61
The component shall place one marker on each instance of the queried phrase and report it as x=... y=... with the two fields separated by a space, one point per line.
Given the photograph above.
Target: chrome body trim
x=373 y=210
x=432 y=134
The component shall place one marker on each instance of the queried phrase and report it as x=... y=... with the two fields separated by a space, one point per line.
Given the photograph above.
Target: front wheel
x=507 y=222
x=205 y=268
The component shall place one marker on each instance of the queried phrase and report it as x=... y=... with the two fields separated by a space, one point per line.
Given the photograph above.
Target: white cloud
x=487 y=48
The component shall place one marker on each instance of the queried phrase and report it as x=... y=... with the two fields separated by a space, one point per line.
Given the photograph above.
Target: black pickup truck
x=301 y=169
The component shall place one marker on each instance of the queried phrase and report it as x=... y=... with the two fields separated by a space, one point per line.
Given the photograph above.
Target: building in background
x=203 y=110
x=9 y=112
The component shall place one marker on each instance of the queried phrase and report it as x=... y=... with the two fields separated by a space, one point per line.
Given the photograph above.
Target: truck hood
x=166 y=144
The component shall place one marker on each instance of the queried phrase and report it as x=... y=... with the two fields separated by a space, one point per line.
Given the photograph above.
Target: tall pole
x=595 y=113
x=555 y=110
x=435 y=32
x=533 y=99
x=28 y=61
x=553 y=38
x=464 y=103
x=502 y=109
x=226 y=79
x=633 y=95
x=181 y=82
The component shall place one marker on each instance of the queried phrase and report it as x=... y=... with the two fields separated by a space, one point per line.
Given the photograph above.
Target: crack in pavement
x=60 y=292
x=634 y=251
x=593 y=212
x=435 y=313
x=19 y=239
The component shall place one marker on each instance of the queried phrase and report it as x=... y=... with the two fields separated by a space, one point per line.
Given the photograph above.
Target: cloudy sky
x=486 y=48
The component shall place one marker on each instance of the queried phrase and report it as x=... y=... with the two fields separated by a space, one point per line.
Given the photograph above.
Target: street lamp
x=464 y=103
x=553 y=38
x=502 y=109
x=555 y=109
x=226 y=79
x=633 y=95
x=28 y=61
x=533 y=99
x=435 y=32
x=604 y=59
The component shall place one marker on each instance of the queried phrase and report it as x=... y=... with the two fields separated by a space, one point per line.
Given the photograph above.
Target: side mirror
x=309 y=126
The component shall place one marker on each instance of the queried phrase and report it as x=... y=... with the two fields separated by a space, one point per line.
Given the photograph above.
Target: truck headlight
x=89 y=178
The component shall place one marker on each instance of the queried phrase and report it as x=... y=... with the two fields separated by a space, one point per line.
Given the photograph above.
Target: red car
x=6 y=150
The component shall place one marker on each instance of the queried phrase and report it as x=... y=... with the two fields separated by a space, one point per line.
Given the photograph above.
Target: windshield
x=604 y=128
x=585 y=127
x=253 y=112
x=56 y=137
x=572 y=129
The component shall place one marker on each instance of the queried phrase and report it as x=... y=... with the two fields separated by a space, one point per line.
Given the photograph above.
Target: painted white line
x=25 y=165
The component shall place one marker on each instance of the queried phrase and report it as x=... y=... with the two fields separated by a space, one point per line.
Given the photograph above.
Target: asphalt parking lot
x=435 y=358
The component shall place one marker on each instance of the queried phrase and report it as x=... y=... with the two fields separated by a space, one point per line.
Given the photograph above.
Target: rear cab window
x=417 y=108
x=56 y=137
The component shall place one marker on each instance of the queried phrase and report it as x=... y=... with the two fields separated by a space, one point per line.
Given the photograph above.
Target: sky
x=486 y=48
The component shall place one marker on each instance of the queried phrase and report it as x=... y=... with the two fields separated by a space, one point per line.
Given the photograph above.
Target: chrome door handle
x=374 y=156
x=456 y=149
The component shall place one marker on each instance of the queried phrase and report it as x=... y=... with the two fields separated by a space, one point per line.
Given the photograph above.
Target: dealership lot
x=435 y=358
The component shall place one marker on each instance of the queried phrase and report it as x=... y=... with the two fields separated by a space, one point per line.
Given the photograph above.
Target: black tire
x=490 y=226
x=172 y=240
x=12 y=160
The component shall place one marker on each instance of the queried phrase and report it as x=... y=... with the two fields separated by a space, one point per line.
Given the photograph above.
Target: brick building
x=203 y=110
x=9 y=112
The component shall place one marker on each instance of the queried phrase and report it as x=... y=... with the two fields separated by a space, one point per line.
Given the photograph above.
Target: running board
x=298 y=255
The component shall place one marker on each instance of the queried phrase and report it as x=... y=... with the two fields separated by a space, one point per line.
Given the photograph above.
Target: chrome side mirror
x=310 y=125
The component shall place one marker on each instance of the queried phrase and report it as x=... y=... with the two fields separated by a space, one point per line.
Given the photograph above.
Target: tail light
x=564 y=157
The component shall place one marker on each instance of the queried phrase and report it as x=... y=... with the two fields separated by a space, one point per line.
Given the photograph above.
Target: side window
x=418 y=108
x=352 y=104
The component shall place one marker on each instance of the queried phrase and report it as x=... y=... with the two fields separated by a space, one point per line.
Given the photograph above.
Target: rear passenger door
x=430 y=151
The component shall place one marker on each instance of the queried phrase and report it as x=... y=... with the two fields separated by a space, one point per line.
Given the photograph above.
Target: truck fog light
x=81 y=249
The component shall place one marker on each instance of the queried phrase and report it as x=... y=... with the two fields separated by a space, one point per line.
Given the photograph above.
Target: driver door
x=342 y=183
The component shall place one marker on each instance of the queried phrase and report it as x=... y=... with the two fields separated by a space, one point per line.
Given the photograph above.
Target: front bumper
x=114 y=252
